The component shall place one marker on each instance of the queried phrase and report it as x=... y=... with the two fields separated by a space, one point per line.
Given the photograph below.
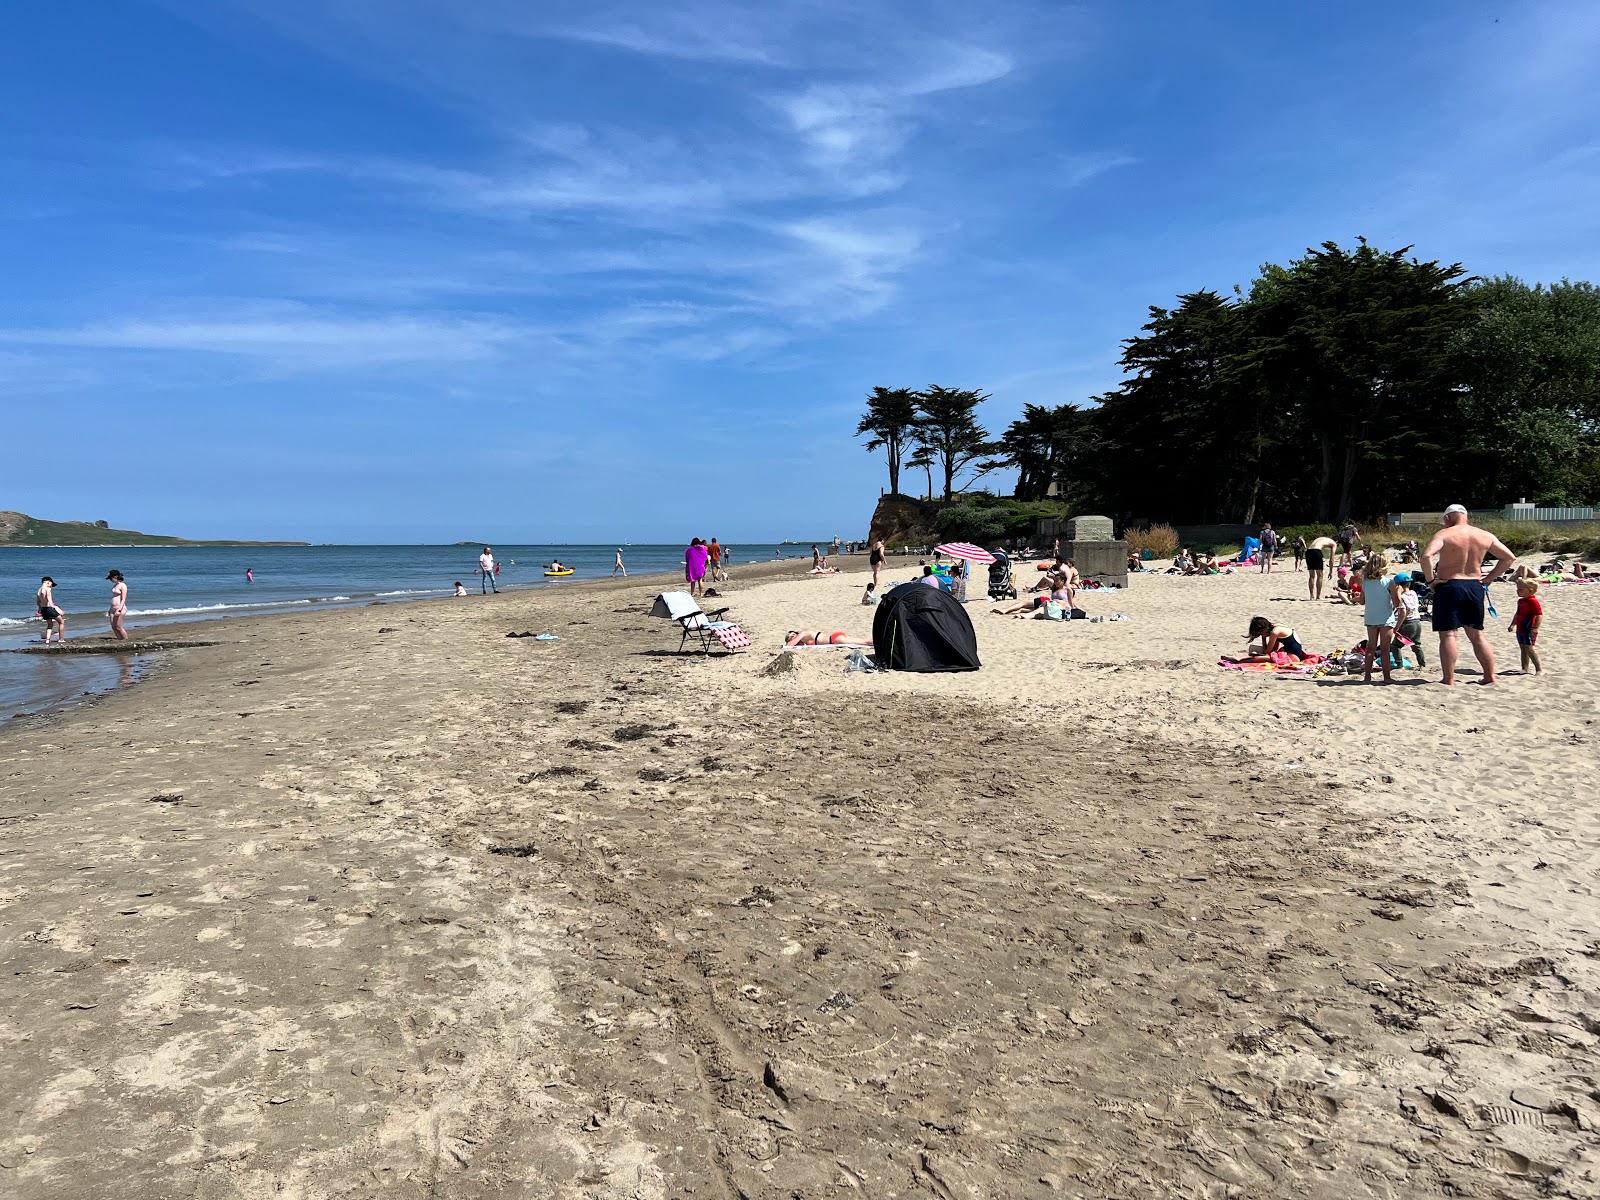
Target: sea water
x=187 y=583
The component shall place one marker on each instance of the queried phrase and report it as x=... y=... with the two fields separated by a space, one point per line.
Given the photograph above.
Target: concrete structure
x=1103 y=561
x=1090 y=529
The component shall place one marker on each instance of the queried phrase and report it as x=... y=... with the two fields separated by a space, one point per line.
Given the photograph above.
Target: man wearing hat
x=1453 y=564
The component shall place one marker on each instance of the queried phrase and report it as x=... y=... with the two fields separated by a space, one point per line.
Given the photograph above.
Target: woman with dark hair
x=1275 y=639
x=119 y=605
x=694 y=566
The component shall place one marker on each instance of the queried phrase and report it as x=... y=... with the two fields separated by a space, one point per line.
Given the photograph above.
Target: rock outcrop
x=904 y=521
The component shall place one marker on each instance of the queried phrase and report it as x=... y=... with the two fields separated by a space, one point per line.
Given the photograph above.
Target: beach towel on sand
x=1281 y=664
x=731 y=636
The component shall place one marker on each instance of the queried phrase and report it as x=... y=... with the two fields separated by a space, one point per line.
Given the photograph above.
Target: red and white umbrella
x=964 y=550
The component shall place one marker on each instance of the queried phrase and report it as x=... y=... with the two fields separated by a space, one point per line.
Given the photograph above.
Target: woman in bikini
x=1055 y=587
x=815 y=637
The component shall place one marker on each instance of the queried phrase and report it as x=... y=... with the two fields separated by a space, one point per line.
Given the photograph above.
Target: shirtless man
x=1319 y=554
x=1453 y=564
x=54 y=618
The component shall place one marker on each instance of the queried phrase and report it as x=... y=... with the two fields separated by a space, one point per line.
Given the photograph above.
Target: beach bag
x=1053 y=611
x=1079 y=615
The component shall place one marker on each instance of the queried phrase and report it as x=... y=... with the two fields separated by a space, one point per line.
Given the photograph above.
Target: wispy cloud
x=1078 y=169
x=301 y=341
x=862 y=124
x=704 y=32
x=729 y=230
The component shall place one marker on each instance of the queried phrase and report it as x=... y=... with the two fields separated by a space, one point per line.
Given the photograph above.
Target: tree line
x=1348 y=383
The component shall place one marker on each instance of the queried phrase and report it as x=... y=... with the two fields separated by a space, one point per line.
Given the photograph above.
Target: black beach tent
x=922 y=628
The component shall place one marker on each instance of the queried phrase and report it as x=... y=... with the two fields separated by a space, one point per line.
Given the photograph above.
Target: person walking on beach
x=487 y=568
x=1269 y=547
x=619 y=567
x=694 y=566
x=1453 y=564
x=1299 y=548
x=119 y=605
x=714 y=553
x=54 y=618
x=1349 y=536
x=875 y=561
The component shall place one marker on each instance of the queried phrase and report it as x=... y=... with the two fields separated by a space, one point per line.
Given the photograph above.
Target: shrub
x=968 y=523
x=1160 y=540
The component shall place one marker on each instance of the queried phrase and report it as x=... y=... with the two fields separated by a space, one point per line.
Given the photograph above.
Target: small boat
x=555 y=574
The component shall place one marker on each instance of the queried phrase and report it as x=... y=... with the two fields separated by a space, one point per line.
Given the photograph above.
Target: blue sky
x=378 y=270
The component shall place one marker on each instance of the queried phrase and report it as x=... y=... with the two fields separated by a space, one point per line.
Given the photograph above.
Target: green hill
x=19 y=529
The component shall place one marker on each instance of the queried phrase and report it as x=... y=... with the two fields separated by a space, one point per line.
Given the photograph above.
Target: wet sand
x=379 y=901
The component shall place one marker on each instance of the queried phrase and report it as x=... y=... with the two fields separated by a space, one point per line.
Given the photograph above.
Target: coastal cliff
x=904 y=521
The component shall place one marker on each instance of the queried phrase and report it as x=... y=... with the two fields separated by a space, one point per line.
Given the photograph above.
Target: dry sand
x=381 y=902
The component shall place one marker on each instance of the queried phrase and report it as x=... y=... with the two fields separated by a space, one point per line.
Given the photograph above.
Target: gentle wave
x=412 y=592
x=17 y=620
x=199 y=608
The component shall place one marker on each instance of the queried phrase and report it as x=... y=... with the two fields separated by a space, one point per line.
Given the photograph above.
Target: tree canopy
x=891 y=419
x=1349 y=382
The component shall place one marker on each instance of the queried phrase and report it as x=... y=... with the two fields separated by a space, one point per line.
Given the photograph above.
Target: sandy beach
x=378 y=901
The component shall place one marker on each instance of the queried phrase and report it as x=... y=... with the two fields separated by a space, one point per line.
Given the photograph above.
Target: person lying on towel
x=815 y=637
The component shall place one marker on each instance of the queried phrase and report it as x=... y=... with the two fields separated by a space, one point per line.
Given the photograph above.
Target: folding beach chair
x=707 y=626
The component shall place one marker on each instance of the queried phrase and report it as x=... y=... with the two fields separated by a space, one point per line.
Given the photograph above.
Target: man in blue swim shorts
x=1453 y=563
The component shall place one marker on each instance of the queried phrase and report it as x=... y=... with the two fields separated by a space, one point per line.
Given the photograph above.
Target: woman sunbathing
x=1054 y=587
x=815 y=637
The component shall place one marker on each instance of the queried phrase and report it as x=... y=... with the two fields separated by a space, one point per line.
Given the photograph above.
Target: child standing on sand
x=1409 y=625
x=1525 y=623
x=1381 y=599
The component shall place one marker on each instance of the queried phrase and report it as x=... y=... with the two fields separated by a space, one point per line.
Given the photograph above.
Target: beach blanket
x=1281 y=664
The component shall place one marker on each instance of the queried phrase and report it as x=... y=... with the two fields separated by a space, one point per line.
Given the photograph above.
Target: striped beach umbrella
x=964 y=550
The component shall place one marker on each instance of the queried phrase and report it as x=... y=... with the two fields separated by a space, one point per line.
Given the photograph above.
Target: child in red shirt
x=1525 y=623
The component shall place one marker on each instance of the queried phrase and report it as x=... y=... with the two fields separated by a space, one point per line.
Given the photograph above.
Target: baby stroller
x=1000 y=585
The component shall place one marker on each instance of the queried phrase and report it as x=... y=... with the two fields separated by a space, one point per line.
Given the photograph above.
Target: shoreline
x=185 y=627
x=383 y=894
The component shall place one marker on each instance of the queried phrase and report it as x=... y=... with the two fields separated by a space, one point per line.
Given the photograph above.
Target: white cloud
x=844 y=125
x=296 y=341
x=1080 y=168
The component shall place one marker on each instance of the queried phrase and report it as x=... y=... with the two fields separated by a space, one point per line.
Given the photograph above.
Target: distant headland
x=19 y=529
